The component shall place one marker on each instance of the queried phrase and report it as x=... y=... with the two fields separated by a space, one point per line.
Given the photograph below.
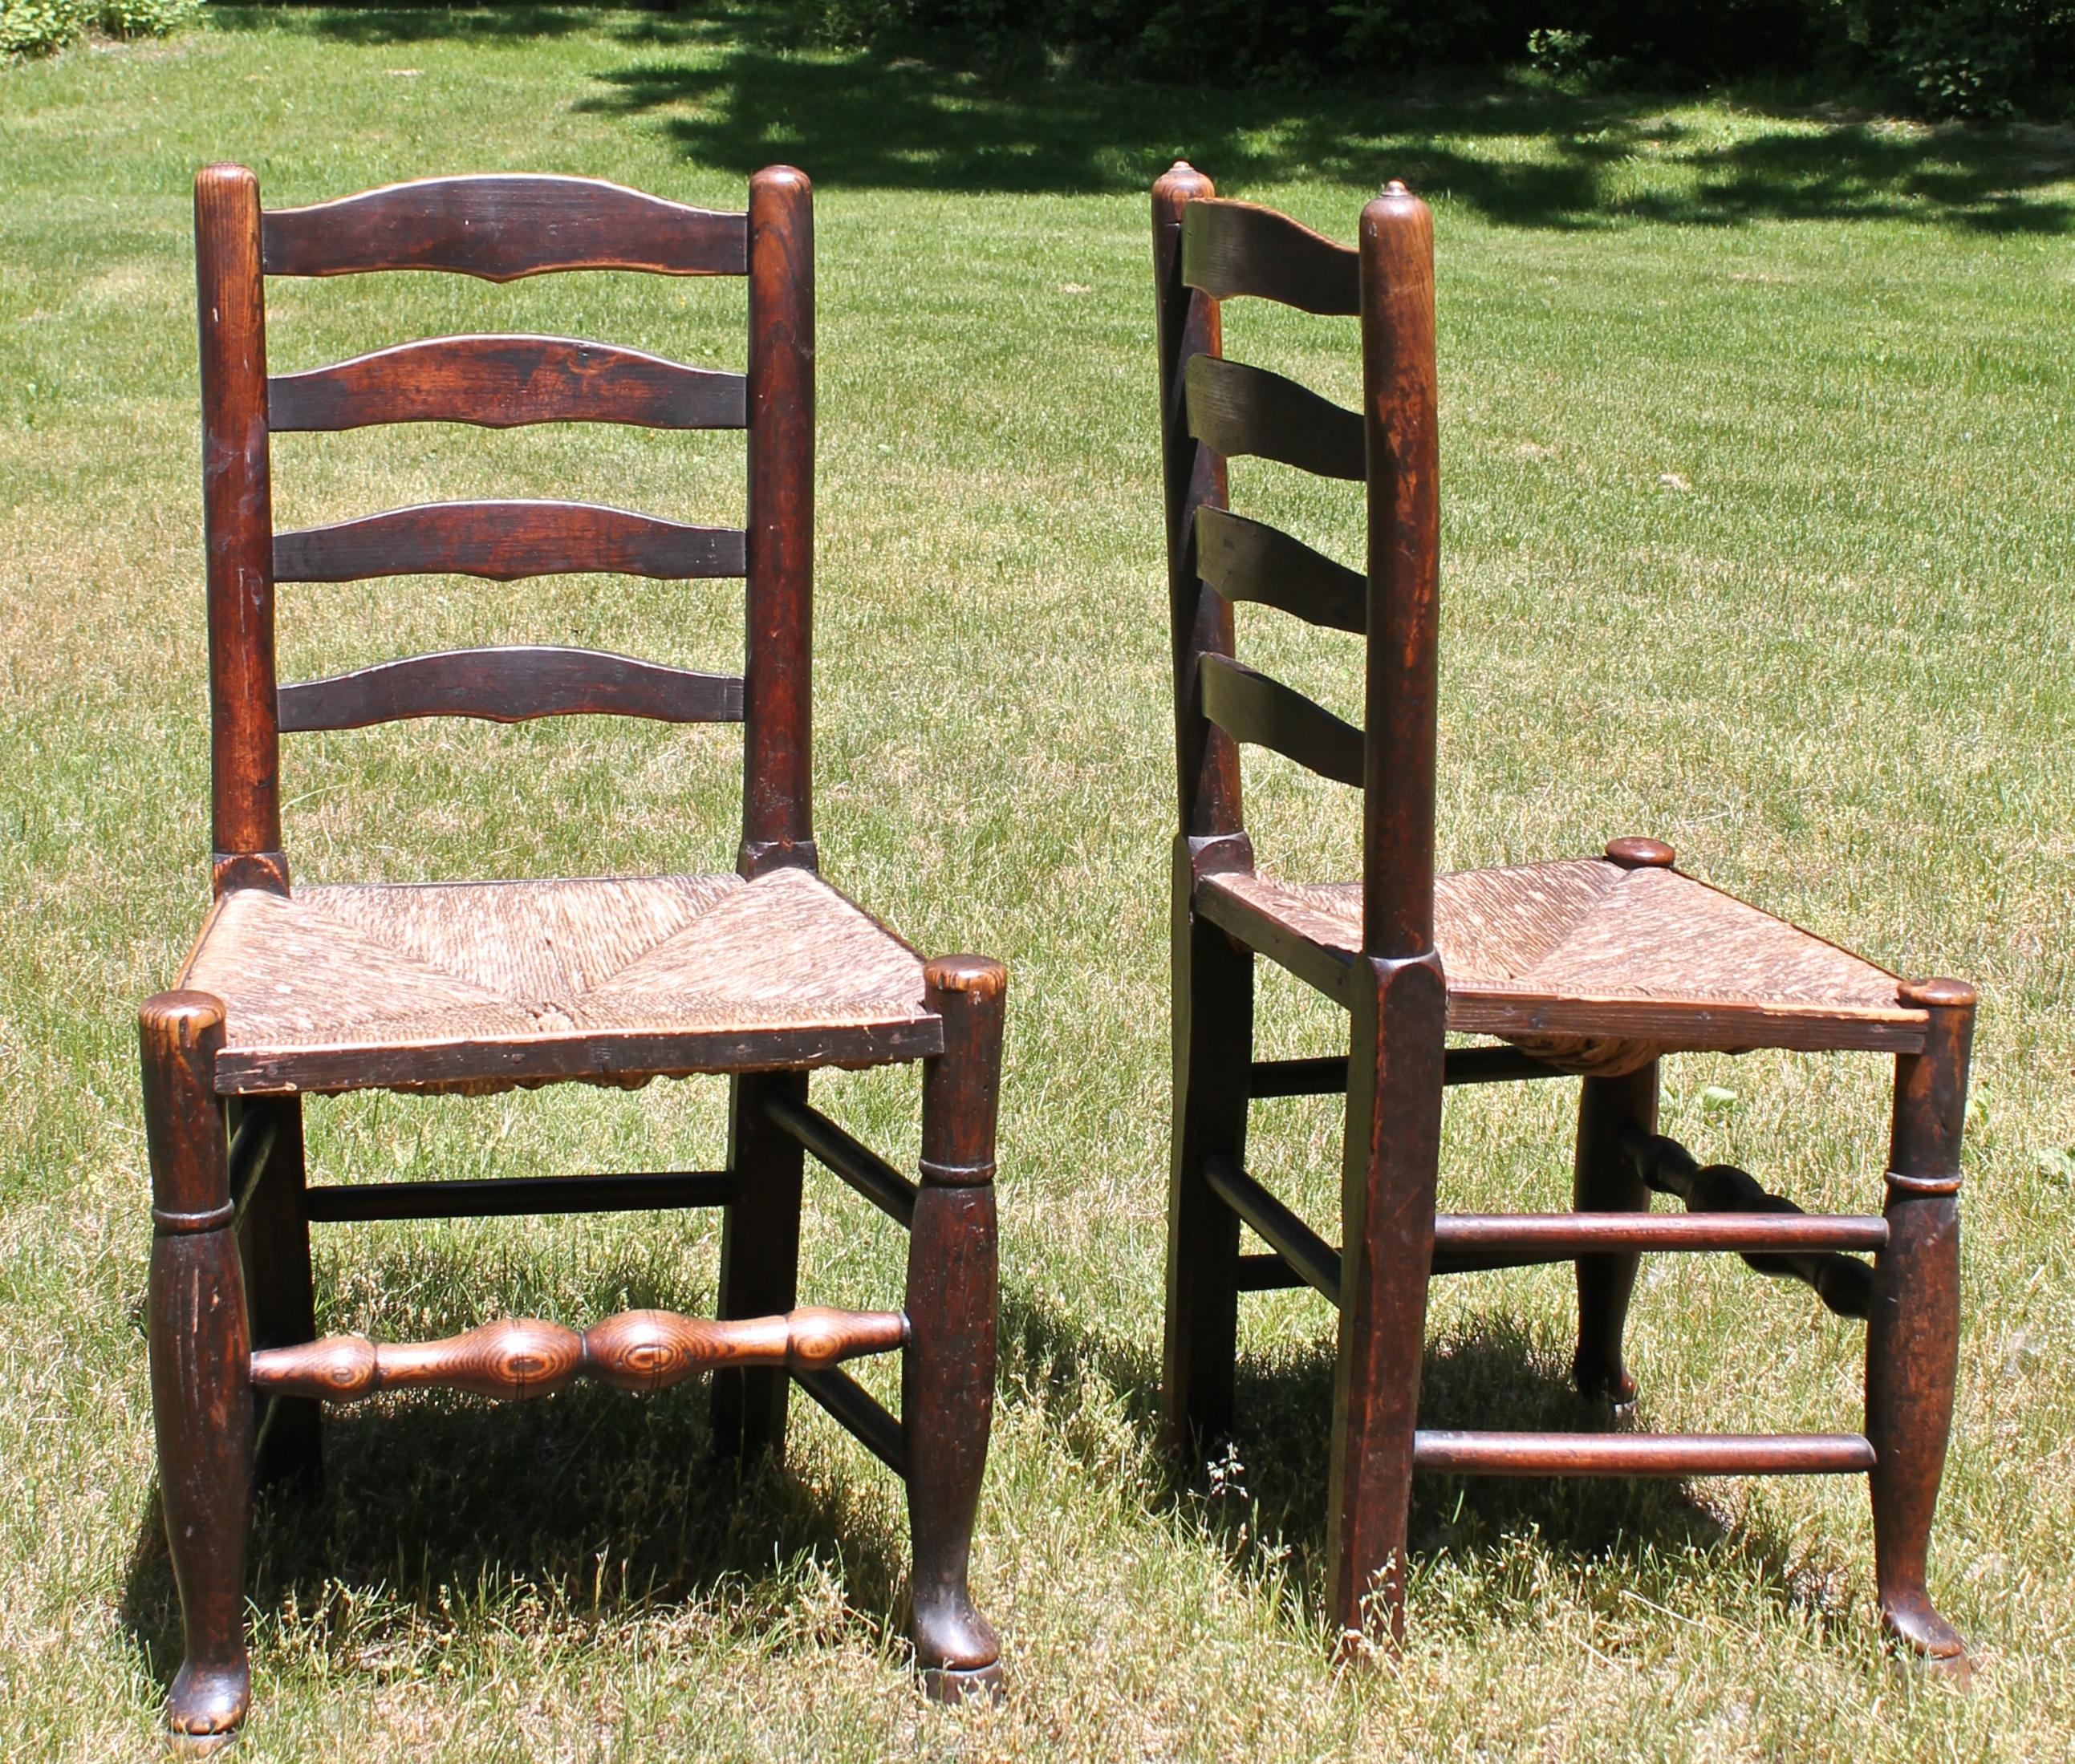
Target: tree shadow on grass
x=436 y=1510
x=738 y=86
x=1264 y=1503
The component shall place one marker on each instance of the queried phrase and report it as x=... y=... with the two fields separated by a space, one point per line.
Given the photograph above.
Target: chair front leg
x=1390 y=1168
x=201 y=1399
x=947 y=1371
x=1913 y=1334
x=1606 y=1180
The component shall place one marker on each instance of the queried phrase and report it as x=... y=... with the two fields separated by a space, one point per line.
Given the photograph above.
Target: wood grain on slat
x=1641 y=1454
x=503 y=382
x=505 y=540
x=638 y=1350
x=503 y=227
x=510 y=685
x=1238 y=409
x=1250 y=707
x=1236 y=248
x=1244 y=560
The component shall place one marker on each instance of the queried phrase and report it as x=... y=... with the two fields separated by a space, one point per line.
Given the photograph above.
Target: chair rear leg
x=1390 y=1168
x=201 y=1398
x=1605 y=1180
x=759 y=1261
x=1213 y=1033
x=273 y=1242
x=1913 y=1334
x=947 y=1371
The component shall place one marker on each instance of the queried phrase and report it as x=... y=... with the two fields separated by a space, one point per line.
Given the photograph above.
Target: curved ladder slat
x=513 y=684
x=502 y=227
x=505 y=540
x=506 y=382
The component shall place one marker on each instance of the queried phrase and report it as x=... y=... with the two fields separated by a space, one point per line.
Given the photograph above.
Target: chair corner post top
x=1939 y=994
x=1636 y=852
x=1181 y=183
x=981 y=976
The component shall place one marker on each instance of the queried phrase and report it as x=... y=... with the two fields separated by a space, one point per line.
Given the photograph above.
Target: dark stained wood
x=525 y=1357
x=860 y=1413
x=350 y=1067
x=274 y=1247
x=1642 y=1454
x=1399 y=401
x=1600 y=1000
x=201 y=1405
x=510 y=1197
x=1192 y=477
x=947 y=1374
x=1775 y=1233
x=1844 y=1285
x=238 y=523
x=1263 y=712
x=1390 y=1163
x=1244 y=560
x=1306 y=1253
x=1605 y=1178
x=864 y=1169
x=778 y=799
x=505 y=540
x=760 y=1260
x=1240 y=248
x=503 y=227
x=1328 y=1076
x=1913 y=1329
x=1239 y=409
x=506 y=382
x=1329 y=970
x=461 y=988
x=512 y=685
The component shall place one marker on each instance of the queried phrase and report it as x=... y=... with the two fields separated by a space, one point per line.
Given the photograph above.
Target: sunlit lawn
x=1759 y=492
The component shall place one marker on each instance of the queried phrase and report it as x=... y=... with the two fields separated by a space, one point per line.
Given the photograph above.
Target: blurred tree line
x=1939 y=58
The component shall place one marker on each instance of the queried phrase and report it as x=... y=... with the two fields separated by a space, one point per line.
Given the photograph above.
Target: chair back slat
x=510 y=684
x=1246 y=560
x=1238 y=409
x=500 y=228
x=1241 y=248
x=505 y=540
x=1263 y=712
x=505 y=383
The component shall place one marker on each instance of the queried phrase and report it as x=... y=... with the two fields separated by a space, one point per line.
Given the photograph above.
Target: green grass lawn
x=1759 y=509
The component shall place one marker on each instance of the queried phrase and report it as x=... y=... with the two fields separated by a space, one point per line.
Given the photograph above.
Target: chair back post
x=1194 y=476
x=1399 y=383
x=777 y=806
x=238 y=516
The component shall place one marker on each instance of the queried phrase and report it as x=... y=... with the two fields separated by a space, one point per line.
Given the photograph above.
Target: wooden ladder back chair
x=1595 y=967
x=762 y=975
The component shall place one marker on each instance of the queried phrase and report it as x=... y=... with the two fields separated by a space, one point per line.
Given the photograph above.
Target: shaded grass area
x=1760 y=518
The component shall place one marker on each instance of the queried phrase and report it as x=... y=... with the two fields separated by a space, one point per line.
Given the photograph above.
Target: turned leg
x=759 y=1261
x=947 y=1373
x=1606 y=1180
x=1913 y=1334
x=274 y=1243
x=1390 y=1167
x=201 y=1400
x=1213 y=1033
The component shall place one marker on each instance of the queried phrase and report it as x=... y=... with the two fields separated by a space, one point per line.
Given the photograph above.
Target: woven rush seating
x=498 y=984
x=1598 y=965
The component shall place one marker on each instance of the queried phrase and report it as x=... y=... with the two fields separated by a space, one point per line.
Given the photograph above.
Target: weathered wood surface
x=1231 y=249
x=1263 y=712
x=1237 y=409
x=505 y=540
x=506 y=383
x=511 y=685
x=501 y=227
